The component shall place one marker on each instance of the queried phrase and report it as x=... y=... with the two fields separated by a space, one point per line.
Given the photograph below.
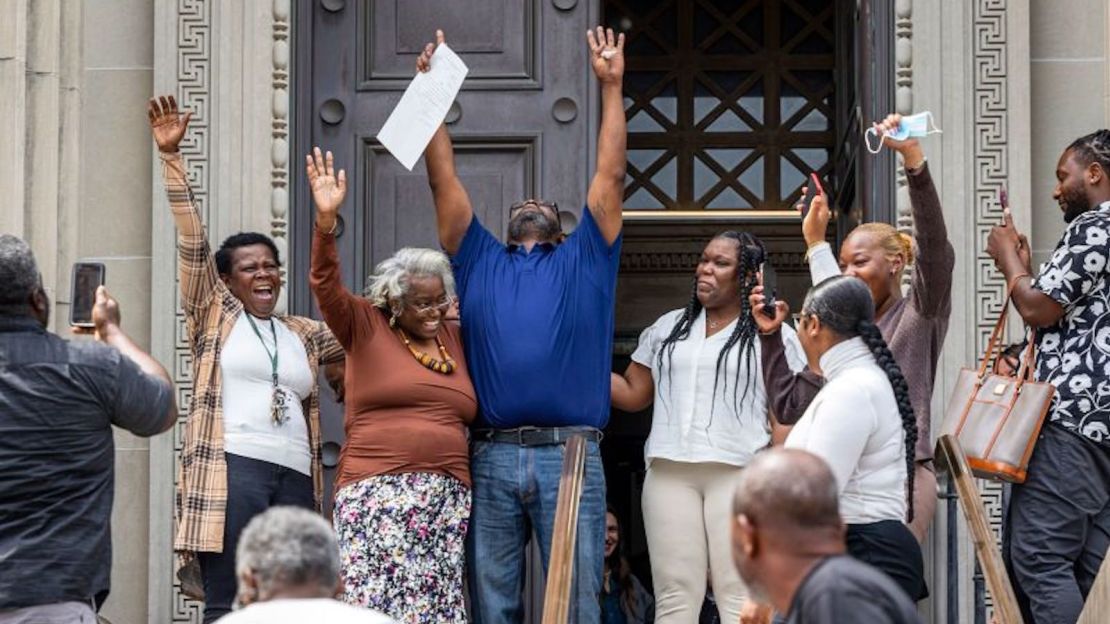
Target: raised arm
x=936 y=258
x=606 y=195
x=336 y=303
x=1011 y=253
x=819 y=254
x=453 y=209
x=198 y=276
x=788 y=393
x=634 y=390
x=138 y=396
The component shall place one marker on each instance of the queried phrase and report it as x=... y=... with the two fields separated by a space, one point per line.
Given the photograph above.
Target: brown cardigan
x=914 y=328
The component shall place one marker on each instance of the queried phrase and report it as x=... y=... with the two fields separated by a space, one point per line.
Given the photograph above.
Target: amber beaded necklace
x=446 y=366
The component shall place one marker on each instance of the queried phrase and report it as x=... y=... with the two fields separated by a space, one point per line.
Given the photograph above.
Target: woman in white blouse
x=701 y=366
x=861 y=423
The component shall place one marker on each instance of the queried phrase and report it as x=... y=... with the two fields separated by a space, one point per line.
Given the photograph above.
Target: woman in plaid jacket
x=252 y=436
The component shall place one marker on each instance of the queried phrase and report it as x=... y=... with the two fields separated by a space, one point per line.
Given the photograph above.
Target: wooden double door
x=729 y=103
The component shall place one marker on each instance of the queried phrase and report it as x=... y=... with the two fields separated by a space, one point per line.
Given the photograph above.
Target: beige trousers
x=687 y=511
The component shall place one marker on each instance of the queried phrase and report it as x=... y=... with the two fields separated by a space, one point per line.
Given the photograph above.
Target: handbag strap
x=1025 y=373
x=996 y=335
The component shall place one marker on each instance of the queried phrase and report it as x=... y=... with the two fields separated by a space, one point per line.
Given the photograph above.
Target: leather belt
x=534 y=436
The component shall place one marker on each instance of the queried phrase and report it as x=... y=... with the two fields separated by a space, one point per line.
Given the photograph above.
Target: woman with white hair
x=402 y=498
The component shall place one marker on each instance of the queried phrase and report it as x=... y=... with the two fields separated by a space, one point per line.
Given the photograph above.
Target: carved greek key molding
x=194 y=65
x=991 y=165
x=991 y=158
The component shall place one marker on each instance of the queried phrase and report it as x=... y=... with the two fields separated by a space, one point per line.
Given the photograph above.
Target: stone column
x=73 y=80
x=13 y=112
x=971 y=69
x=40 y=76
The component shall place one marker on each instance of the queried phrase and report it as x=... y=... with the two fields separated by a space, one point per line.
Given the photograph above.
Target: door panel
x=495 y=172
x=498 y=39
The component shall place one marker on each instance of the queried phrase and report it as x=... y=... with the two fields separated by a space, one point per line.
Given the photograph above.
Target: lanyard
x=278 y=401
x=273 y=356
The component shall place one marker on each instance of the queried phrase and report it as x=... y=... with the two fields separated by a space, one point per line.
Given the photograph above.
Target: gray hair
x=19 y=273
x=390 y=279
x=286 y=547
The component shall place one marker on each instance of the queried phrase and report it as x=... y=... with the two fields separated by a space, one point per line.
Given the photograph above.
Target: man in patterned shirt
x=1059 y=519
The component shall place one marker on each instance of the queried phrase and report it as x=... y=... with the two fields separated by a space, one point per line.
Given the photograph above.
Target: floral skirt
x=402 y=541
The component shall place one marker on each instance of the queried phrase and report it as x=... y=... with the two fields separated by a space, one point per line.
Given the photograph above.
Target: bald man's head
x=784 y=512
x=788 y=489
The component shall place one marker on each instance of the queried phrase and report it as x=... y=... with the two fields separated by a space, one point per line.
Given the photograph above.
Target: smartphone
x=813 y=187
x=769 y=289
x=87 y=277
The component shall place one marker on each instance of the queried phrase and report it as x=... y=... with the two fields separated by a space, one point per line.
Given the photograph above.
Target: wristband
x=1010 y=284
x=334 y=226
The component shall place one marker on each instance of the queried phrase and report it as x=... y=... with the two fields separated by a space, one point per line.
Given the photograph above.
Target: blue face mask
x=911 y=126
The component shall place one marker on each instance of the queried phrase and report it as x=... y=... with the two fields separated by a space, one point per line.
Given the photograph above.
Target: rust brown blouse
x=400 y=416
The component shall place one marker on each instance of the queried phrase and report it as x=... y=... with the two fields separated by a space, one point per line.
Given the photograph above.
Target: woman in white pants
x=701 y=365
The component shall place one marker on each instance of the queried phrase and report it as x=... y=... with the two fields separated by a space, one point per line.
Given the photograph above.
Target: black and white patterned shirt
x=1074 y=354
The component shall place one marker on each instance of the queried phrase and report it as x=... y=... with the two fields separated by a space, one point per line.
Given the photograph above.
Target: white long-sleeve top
x=853 y=424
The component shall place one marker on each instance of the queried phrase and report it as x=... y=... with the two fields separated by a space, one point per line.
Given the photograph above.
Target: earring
x=393 y=318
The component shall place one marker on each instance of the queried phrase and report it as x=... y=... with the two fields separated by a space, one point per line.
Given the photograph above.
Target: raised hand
x=910 y=149
x=816 y=221
x=328 y=189
x=424 y=61
x=105 y=316
x=606 y=54
x=166 y=124
x=766 y=324
x=1009 y=248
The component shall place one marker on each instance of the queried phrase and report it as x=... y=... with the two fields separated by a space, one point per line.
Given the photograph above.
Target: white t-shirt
x=249 y=430
x=689 y=422
x=853 y=424
x=303 y=611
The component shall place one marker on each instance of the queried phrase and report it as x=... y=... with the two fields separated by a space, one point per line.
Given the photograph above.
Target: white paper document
x=423 y=107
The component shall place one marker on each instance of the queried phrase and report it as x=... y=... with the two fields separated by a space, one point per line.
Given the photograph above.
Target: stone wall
x=1070 y=97
x=74 y=152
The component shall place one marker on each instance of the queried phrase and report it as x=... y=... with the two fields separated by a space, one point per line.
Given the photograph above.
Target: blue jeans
x=253 y=486
x=515 y=489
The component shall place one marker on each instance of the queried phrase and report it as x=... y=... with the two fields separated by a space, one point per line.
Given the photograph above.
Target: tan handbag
x=996 y=418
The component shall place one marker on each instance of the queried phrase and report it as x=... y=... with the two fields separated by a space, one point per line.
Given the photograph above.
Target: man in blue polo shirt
x=538 y=326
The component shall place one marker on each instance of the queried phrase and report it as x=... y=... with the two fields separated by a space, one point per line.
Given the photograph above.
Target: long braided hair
x=844 y=305
x=750 y=254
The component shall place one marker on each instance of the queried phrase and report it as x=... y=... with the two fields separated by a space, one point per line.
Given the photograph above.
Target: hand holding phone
x=769 y=290
x=813 y=189
x=87 y=277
